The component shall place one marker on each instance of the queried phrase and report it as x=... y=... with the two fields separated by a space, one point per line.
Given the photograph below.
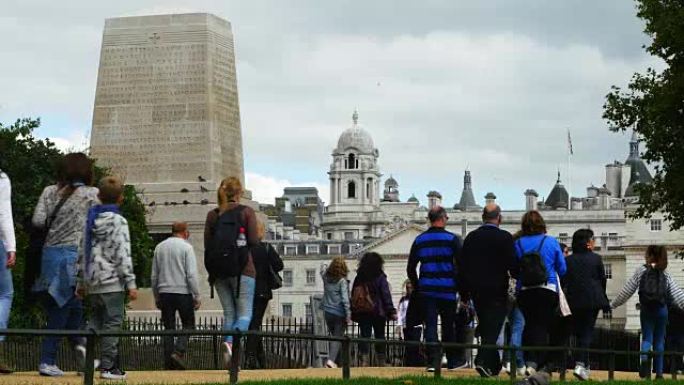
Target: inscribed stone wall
x=166 y=106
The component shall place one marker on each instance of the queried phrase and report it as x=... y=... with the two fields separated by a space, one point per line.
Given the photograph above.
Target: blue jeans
x=6 y=290
x=653 y=325
x=446 y=310
x=516 y=322
x=237 y=304
x=67 y=317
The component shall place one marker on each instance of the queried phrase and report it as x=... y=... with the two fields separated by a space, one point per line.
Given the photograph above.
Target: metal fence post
x=611 y=366
x=438 y=363
x=89 y=370
x=215 y=343
x=513 y=361
x=235 y=358
x=673 y=361
x=346 y=358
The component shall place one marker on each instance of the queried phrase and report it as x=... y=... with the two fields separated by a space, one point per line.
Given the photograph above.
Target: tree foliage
x=30 y=163
x=653 y=105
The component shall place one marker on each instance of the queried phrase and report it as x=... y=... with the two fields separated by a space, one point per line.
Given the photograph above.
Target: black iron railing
x=347 y=342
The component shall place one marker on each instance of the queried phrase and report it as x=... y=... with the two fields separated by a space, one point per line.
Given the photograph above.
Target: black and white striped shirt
x=675 y=295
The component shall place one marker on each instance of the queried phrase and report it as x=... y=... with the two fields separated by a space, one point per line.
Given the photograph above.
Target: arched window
x=352 y=162
x=369 y=184
x=351 y=190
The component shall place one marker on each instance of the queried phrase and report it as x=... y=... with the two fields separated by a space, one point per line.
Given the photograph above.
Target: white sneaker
x=113 y=374
x=521 y=372
x=581 y=373
x=50 y=370
x=227 y=349
x=530 y=371
x=330 y=364
x=80 y=355
x=507 y=368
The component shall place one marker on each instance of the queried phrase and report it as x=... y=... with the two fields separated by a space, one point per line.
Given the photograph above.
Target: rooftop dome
x=638 y=171
x=355 y=137
x=413 y=199
x=391 y=182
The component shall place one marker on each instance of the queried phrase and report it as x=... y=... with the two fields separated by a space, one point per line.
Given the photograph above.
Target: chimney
x=490 y=198
x=531 y=197
x=434 y=199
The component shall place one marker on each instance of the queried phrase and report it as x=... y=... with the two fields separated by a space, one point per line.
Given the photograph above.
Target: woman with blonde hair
x=230 y=232
x=336 y=305
x=657 y=289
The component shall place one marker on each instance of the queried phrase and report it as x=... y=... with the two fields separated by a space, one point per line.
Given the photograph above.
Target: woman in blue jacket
x=537 y=296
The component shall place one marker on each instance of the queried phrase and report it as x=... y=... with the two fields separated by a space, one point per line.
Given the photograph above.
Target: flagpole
x=570 y=152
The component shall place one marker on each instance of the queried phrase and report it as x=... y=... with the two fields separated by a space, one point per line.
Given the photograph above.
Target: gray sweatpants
x=107 y=313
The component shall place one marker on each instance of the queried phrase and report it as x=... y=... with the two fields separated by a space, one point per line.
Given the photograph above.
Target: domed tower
x=391 y=193
x=558 y=197
x=354 y=186
x=638 y=171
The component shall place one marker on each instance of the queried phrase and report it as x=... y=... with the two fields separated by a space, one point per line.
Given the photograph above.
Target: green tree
x=653 y=105
x=30 y=163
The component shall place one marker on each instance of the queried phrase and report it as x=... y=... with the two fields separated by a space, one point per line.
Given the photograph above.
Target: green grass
x=425 y=381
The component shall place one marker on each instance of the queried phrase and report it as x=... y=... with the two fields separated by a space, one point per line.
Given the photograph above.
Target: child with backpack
x=229 y=233
x=371 y=305
x=541 y=262
x=657 y=289
x=106 y=271
x=336 y=305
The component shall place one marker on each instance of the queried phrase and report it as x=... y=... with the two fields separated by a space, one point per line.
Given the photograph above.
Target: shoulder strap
x=55 y=211
x=541 y=244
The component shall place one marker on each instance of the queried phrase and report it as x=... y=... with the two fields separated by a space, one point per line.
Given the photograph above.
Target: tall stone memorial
x=166 y=116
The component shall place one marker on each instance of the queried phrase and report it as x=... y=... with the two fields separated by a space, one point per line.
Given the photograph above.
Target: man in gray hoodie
x=106 y=271
x=175 y=288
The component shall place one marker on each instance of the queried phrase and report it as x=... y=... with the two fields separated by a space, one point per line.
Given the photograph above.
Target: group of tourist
x=524 y=289
x=527 y=281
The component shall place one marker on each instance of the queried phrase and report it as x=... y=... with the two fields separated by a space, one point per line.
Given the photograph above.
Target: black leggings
x=539 y=307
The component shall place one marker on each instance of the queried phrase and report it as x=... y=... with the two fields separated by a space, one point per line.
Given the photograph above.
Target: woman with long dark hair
x=372 y=305
x=657 y=289
x=62 y=209
x=541 y=262
x=8 y=248
x=584 y=285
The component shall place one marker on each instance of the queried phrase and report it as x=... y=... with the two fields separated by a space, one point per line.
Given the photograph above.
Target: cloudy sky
x=441 y=85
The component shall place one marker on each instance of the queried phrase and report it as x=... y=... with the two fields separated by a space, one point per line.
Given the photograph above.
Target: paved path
x=216 y=376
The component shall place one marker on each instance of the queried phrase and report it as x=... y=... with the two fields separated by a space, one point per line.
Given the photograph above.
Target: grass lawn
x=424 y=381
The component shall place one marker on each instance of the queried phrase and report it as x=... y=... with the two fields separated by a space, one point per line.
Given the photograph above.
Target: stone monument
x=167 y=119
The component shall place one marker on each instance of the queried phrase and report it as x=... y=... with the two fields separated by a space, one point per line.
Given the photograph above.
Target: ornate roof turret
x=391 y=182
x=467 y=201
x=558 y=197
x=639 y=172
x=413 y=199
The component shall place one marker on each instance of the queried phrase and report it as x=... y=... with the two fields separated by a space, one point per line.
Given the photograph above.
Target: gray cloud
x=441 y=85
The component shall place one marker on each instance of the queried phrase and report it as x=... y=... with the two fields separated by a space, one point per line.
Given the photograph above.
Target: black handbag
x=275 y=281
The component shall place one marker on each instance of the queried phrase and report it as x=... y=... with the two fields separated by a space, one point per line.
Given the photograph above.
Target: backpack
x=361 y=300
x=223 y=257
x=532 y=267
x=652 y=287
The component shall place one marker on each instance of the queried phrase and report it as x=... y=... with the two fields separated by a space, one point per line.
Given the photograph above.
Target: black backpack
x=223 y=258
x=532 y=267
x=652 y=287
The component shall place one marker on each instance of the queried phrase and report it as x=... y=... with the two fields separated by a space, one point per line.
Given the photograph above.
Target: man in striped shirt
x=437 y=251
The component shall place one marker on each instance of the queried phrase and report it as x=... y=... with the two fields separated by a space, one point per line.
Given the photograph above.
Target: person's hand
x=11 y=259
x=196 y=303
x=349 y=321
x=157 y=302
x=80 y=292
x=132 y=294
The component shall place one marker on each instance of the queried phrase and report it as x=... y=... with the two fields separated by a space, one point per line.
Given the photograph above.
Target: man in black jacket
x=488 y=262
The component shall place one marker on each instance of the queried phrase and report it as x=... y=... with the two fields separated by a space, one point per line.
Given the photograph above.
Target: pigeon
x=186 y=202
x=166 y=203
x=184 y=190
x=204 y=189
x=174 y=203
x=153 y=203
x=201 y=179
x=204 y=201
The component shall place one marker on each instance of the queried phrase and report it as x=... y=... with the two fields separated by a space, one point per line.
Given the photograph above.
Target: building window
x=328 y=235
x=290 y=250
x=307 y=312
x=287 y=310
x=351 y=190
x=334 y=249
x=656 y=224
x=369 y=183
x=613 y=237
x=287 y=277
x=348 y=235
x=608 y=315
x=313 y=249
x=310 y=277
x=608 y=268
x=352 y=162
